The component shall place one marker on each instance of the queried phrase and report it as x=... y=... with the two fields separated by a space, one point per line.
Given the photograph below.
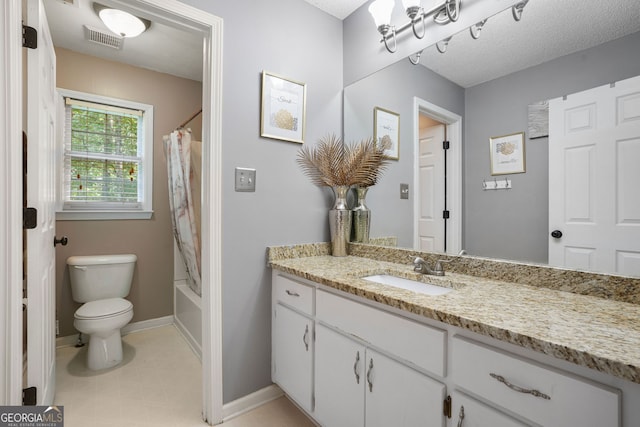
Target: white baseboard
x=71 y=340
x=251 y=401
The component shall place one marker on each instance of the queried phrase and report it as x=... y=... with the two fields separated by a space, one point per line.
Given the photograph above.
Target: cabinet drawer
x=419 y=344
x=293 y=293
x=476 y=414
x=568 y=401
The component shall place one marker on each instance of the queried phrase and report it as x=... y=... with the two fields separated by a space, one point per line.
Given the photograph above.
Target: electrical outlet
x=245 y=179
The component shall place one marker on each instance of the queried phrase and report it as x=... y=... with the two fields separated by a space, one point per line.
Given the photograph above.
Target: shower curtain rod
x=190 y=118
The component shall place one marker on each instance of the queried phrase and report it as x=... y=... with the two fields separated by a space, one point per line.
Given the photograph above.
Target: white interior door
x=594 y=202
x=431 y=189
x=41 y=115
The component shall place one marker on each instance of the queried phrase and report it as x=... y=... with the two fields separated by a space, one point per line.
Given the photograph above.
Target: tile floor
x=158 y=384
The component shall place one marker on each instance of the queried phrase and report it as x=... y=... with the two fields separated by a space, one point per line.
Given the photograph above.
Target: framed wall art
x=283 y=108
x=386 y=130
x=507 y=154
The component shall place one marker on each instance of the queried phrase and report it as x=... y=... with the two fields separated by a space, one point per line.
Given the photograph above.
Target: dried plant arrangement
x=333 y=163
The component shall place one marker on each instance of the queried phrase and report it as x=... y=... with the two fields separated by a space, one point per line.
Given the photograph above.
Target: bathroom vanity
x=490 y=352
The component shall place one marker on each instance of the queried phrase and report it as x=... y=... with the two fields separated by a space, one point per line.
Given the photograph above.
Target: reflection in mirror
x=490 y=83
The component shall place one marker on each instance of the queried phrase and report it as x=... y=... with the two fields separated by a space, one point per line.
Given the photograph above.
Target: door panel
x=594 y=150
x=340 y=380
x=399 y=396
x=431 y=191
x=40 y=262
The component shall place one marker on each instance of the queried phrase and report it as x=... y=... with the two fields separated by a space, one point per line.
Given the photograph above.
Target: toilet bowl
x=101 y=283
x=102 y=321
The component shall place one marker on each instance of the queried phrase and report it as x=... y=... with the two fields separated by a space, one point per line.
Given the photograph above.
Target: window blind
x=103 y=156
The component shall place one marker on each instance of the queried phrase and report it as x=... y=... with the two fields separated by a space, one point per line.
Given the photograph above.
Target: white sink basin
x=411 y=285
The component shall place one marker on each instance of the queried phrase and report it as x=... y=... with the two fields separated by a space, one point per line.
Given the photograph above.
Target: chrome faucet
x=421 y=266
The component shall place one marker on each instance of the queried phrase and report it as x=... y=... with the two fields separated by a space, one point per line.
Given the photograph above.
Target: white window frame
x=146 y=207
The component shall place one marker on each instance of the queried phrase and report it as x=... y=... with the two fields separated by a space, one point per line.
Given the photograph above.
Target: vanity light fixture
x=381 y=12
x=417 y=55
x=517 y=9
x=120 y=22
x=443 y=13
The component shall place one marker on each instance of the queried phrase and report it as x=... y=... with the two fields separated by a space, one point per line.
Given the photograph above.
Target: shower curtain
x=183 y=170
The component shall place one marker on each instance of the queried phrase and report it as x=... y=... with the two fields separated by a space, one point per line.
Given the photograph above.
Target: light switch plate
x=245 y=179
x=404 y=191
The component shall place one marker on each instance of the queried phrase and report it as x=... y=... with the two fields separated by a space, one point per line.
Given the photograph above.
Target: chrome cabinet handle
x=461 y=416
x=355 y=367
x=305 y=338
x=293 y=294
x=369 y=375
x=532 y=392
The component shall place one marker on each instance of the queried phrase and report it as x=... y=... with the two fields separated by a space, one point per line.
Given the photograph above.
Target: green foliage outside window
x=104 y=156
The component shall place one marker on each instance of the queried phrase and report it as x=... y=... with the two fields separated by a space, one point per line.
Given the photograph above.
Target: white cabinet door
x=340 y=379
x=396 y=395
x=293 y=355
x=468 y=412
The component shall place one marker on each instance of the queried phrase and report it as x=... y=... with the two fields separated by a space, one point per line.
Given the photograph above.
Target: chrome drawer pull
x=355 y=368
x=369 y=380
x=461 y=416
x=293 y=294
x=535 y=393
x=305 y=338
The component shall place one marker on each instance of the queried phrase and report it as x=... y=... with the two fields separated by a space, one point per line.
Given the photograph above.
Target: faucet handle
x=439 y=264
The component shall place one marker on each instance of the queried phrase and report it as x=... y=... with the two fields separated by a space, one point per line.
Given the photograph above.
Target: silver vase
x=340 y=221
x=361 y=217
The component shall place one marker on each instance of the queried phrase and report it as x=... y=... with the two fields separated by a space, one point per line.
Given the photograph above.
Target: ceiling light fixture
x=120 y=22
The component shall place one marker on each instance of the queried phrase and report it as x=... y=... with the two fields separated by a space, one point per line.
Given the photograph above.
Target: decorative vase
x=361 y=217
x=340 y=221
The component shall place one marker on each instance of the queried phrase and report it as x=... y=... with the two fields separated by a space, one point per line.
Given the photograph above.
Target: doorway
x=438 y=201
x=191 y=19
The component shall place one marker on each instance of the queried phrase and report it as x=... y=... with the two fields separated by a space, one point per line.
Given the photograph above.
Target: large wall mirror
x=491 y=84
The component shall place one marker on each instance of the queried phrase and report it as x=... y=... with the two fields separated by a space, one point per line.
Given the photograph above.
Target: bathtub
x=187 y=315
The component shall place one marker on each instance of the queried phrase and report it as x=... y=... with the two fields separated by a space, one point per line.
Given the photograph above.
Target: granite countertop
x=599 y=333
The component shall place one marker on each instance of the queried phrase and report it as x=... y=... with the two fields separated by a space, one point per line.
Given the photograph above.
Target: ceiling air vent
x=103 y=38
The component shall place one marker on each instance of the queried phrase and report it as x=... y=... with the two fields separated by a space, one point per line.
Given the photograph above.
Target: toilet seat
x=104 y=308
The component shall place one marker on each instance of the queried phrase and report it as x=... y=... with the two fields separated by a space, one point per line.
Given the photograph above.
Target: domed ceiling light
x=120 y=22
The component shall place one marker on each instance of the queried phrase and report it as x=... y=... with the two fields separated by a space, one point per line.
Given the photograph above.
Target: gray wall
x=394 y=88
x=293 y=39
x=514 y=224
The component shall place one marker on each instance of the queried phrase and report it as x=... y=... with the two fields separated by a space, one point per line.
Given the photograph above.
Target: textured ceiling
x=548 y=29
x=338 y=8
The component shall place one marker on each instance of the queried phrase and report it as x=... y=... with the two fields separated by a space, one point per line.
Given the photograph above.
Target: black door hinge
x=29 y=37
x=447 y=407
x=29 y=396
x=445 y=145
x=445 y=214
x=29 y=218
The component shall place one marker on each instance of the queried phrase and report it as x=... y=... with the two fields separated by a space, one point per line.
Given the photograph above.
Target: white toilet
x=101 y=282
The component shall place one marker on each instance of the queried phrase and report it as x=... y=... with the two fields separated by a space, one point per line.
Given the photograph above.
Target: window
x=107 y=168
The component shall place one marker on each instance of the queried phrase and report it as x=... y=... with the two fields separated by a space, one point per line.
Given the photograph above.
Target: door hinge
x=29 y=218
x=29 y=37
x=445 y=214
x=447 y=407
x=445 y=145
x=29 y=396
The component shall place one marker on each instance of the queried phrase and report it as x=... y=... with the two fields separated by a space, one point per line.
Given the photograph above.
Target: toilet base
x=104 y=352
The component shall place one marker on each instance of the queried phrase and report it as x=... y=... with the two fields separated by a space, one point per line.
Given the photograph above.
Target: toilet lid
x=103 y=308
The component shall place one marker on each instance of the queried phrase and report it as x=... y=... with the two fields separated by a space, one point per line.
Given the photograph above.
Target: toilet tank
x=100 y=276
